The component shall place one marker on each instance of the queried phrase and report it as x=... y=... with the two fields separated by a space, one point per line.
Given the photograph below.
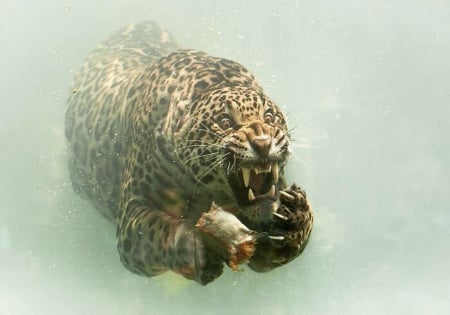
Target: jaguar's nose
x=261 y=145
x=259 y=137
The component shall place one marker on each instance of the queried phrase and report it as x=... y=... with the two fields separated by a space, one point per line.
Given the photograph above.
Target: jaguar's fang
x=251 y=195
x=246 y=176
x=271 y=191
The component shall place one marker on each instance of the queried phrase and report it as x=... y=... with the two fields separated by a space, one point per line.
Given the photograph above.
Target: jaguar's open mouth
x=252 y=182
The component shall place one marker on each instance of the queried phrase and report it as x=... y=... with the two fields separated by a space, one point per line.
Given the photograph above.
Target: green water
x=364 y=83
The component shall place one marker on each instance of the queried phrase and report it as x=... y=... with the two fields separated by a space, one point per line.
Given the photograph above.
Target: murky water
x=364 y=83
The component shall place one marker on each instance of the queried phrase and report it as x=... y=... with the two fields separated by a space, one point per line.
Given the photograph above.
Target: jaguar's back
x=105 y=86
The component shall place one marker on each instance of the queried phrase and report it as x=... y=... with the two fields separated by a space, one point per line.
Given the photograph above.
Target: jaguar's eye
x=269 y=118
x=225 y=122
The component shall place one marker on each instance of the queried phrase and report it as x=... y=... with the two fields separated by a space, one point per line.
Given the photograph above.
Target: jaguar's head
x=236 y=141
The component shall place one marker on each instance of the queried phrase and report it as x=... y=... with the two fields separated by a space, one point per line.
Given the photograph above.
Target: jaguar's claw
x=279 y=260
x=282 y=217
x=276 y=237
x=287 y=196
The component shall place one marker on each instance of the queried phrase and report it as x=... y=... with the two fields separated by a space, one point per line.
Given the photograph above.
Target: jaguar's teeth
x=246 y=176
x=271 y=191
x=262 y=170
x=275 y=172
x=251 y=195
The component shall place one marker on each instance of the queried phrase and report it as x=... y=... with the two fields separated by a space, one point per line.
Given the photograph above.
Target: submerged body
x=157 y=134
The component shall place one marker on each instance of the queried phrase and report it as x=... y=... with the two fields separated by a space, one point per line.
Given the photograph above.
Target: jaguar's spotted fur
x=157 y=134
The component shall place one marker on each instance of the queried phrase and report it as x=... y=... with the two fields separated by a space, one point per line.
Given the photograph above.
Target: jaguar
x=186 y=155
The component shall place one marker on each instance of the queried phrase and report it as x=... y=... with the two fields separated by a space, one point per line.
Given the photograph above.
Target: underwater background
x=365 y=85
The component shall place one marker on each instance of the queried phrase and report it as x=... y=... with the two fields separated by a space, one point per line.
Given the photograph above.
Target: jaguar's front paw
x=288 y=232
x=294 y=208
